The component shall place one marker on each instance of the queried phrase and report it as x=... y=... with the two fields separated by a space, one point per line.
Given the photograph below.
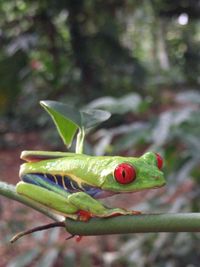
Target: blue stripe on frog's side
x=63 y=182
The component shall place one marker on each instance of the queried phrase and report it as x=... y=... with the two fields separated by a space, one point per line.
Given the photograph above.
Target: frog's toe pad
x=84 y=215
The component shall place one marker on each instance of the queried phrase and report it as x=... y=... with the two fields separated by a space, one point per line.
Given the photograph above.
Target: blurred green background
x=141 y=61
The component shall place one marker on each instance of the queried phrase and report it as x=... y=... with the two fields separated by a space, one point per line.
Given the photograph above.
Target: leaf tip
x=43 y=103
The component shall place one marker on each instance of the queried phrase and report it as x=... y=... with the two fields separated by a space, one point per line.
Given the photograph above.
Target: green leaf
x=68 y=119
x=65 y=118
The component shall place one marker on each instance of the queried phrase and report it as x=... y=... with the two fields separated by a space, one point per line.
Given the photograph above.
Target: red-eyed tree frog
x=71 y=183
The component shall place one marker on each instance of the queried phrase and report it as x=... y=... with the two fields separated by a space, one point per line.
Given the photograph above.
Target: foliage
x=140 y=61
x=69 y=51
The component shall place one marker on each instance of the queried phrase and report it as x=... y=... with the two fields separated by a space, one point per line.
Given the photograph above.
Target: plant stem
x=36 y=229
x=144 y=223
x=80 y=141
x=9 y=191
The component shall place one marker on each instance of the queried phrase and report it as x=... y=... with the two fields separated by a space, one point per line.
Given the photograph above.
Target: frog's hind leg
x=50 y=199
x=44 y=181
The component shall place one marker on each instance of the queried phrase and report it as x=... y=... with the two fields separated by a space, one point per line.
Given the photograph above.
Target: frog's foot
x=84 y=215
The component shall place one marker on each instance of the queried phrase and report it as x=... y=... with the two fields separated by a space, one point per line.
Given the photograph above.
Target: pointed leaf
x=66 y=119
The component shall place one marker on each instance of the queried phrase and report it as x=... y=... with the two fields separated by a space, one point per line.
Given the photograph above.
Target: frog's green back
x=96 y=171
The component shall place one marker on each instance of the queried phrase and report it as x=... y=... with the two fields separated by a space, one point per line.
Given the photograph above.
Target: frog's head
x=135 y=174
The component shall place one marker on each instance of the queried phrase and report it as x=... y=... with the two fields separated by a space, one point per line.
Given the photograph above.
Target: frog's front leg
x=90 y=207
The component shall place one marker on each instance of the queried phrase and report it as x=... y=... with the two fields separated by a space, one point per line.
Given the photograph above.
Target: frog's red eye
x=159 y=161
x=125 y=173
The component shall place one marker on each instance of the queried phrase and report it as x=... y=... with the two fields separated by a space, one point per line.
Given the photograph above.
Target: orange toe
x=84 y=215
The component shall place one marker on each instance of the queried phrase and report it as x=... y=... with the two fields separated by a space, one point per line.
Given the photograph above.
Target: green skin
x=85 y=170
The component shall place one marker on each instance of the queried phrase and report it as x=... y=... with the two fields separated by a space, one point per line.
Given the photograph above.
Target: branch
x=37 y=229
x=144 y=223
x=9 y=191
